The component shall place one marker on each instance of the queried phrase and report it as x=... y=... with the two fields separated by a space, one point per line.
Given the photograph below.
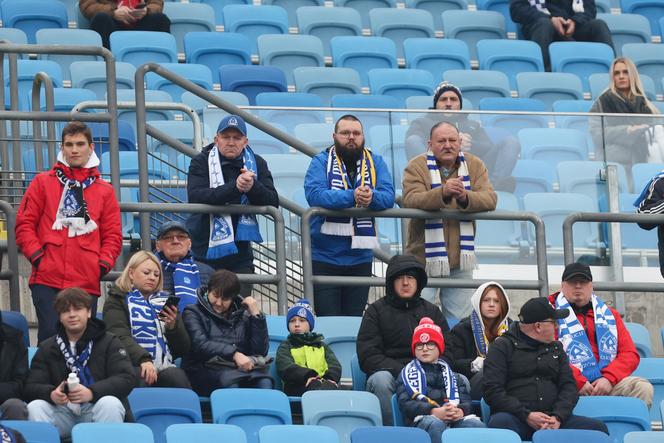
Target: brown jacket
x=417 y=193
x=91 y=7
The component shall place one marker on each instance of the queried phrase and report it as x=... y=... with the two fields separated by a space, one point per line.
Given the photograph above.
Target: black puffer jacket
x=13 y=362
x=523 y=375
x=385 y=335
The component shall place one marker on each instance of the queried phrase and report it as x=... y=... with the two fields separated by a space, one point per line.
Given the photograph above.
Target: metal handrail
x=12 y=257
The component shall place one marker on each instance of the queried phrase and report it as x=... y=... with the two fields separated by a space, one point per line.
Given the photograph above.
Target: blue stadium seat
x=464 y=435
x=199 y=104
x=653 y=10
x=26 y=70
x=577 y=435
x=649 y=60
x=401 y=83
x=643 y=437
x=287 y=52
x=583 y=177
x=219 y=5
x=498 y=232
x=290 y=118
x=214 y=49
x=14 y=35
x=158 y=408
x=139 y=47
x=604 y=6
x=17 y=321
x=359 y=377
x=250 y=409
x=288 y=170
x=340 y=335
x=326 y=82
x=252 y=80
x=263 y=143
x=436 y=55
x=401 y=24
x=66 y=98
x=510 y=57
x=599 y=82
x=126 y=138
x=253 y=21
x=276 y=324
x=291 y=7
x=129 y=115
x=626 y=28
x=363 y=54
x=581 y=58
x=533 y=176
x=34 y=431
x=652 y=369
x=368 y=118
x=179 y=130
x=326 y=23
x=549 y=86
x=477 y=85
x=513 y=122
x=436 y=8
x=111 y=433
x=204 y=433
x=67 y=37
x=553 y=144
x=578 y=122
x=197 y=74
x=473 y=26
x=129 y=166
x=299 y=433
x=620 y=414
x=631 y=235
x=641 y=338
x=642 y=173
x=32 y=15
x=317 y=135
x=420 y=102
x=364 y=6
x=502 y=7
x=189 y=17
x=402 y=434
x=92 y=75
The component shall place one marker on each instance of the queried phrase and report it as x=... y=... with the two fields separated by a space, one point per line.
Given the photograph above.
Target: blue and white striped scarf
x=6 y=435
x=435 y=249
x=576 y=343
x=186 y=280
x=415 y=382
x=76 y=363
x=146 y=328
x=362 y=229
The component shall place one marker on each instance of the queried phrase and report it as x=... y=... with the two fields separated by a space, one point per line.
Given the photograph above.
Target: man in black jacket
x=384 y=339
x=528 y=383
x=82 y=374
x=13 y=372
x=227 y=172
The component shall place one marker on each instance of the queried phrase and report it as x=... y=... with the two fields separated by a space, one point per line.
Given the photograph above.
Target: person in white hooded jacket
x=473 y=335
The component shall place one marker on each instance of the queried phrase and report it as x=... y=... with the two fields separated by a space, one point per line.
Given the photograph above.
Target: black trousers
x=43 y=298
x=105 y=24
x=505 y=420
x=168 y=378
x=340 y=300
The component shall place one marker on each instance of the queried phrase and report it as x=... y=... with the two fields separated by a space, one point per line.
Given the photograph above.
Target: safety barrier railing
x=11 y=275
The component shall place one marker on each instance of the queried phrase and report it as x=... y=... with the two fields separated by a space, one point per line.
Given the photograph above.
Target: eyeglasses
x=429 y=345
x=175 y=237
x=348 y=134
x=554 y=322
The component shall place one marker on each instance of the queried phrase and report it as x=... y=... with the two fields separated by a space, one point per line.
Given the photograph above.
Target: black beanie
x=444 y=87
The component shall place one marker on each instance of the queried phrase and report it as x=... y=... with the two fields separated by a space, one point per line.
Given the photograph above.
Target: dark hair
x=69 y=297
x=350 y=117
x=437 y=125
x=491 y=327
x=225 y=283
x=77 y=127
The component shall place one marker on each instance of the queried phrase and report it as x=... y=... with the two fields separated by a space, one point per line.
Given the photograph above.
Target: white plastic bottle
x=72 y=383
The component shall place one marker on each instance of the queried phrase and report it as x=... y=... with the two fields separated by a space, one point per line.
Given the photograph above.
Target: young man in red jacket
x=601 y=351
x=68 y=226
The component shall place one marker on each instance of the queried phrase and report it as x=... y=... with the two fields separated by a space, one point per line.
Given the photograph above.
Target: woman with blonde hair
x=624 y=139
x=151 y=330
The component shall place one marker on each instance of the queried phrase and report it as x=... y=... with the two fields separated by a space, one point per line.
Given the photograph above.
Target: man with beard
x=345 y=175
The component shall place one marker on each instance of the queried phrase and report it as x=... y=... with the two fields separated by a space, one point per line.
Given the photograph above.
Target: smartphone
x=172 y=300
x=140 y=6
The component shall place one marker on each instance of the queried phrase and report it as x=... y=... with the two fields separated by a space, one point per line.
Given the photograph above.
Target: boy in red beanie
x=430 y=395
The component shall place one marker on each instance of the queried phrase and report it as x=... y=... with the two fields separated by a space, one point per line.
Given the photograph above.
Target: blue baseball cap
x=232 y=121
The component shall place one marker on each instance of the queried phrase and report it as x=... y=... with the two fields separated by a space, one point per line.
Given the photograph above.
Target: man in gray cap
x=528 y=383
x=227 y=172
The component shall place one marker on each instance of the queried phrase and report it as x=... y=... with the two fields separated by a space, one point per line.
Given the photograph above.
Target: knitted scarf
x=435 y=249
x=186 y=280
x=415 y=381
x=646 y=194
x=146 y=328
x=6 y=435
x=540 y=5
x=576 y=343
x=222 y=235
x=362 y=229
x=72 y=210
x=76 y=363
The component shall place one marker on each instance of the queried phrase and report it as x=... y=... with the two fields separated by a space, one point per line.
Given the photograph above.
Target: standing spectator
x=83 y=349
x=108 y=16
x=13 y=372
x=229 y=340
x=546 y=21
x=600 y=350
x=151 y=330
x=345 y=175
x=651 y=201
x=228 y=172
x=68 y=226
x=446 y=178
x=384 y=344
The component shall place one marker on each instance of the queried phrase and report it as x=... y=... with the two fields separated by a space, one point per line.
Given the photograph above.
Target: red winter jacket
x=68 y=261
x=627 y=358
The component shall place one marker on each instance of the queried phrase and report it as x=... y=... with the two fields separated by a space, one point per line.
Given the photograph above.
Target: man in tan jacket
x=446 y=178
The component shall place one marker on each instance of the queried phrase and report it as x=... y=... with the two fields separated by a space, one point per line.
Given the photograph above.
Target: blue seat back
x=188 y=17
x=327 y=82
x=397 y=416
x=643 y=437
x=359 y=377
x=196 y=73
x=34 y=431
x=402 y=434
x=341 y=336
x=553 y=144
x=252 y=80
x=217 y=49
x=204 y=433
x=437 y=7
x=557 y=435
x=291 y=7
x=17 y=321
x=365 y=6
x=31 y=15
x=401 y=83
x=513 y=122
x=581 y=58
x=499 y=232
x=436 y=55
x=641 y=338
x=92 y=75
x=510 y=57
x=401 y=24
x=253 y=21
x=477 y=85
x=139 y=47
x=299 y=433
x=363 y=54
x=653 y=10
x=462 y=435
x=502 y=7
x=649 y=60
x=326 y=23
x=290 y=118
x=652 y=369
x=67 y=37
x=288 y=52
x=626 y=28
x=473 y=26
x=620 y=414
x=110 y=433
x=549 y=86
x=583 y=177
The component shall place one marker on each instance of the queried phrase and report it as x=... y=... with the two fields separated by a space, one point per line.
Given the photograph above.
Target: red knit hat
x=428 y=331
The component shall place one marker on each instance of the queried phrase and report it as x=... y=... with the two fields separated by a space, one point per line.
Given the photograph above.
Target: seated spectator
x=304 y=362
x=600 y=350
x=229 y=340
x=108 y=16
x=472 y=336
x=82 y=350
x=182 y=274
x=431 y=396
x=13 y=372
x=151 y=330
x=528 y=383
x=650 y=202
x=546 y=21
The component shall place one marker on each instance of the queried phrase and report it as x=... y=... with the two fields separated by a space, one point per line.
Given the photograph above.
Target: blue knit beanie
x=302 y=309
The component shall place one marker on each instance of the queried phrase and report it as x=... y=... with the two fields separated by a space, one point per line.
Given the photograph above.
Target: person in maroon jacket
x=600 y=350
x=68 y=226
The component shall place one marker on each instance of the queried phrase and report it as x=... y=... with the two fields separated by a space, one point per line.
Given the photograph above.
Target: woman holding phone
x=148 y=323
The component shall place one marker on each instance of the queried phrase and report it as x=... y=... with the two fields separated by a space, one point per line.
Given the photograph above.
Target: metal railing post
x=12 y=257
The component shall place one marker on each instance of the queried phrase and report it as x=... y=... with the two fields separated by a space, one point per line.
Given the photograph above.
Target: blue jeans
x=383 y=386
x=505 y=420
x=435 y=426
x=454 y=302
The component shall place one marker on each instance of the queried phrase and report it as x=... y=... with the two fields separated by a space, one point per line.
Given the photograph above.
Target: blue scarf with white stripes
x=186 y=280
x=146 y=328
x=415 y=382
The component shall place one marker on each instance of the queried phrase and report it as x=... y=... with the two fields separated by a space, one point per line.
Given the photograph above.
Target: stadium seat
x=111 y=433
x=92 y=75
x=158 y=408
x=364 y=6
x=402 y=434
x=326 y=23
x=641 y=338
x=219 y=5
x=359 y=377
x=642 y=173
x=204 y=433
x=214 y=49
x=369 y=119
x=26 y=70
x=129 y=115
x=276 y=326
x=317 y=135
x=583 y=177
x=473 y=26
x=626 y=28
x=342 y=411
x=649 y=60
x=363 y=54
x=34 y=431
x=643 y=437
x=252 y=80
x=340 y=335
x=579 y=122
x=179 y=130
x=291 y=7
x=631 y=235
x=510 y=57
x=290 y=118
x=419 y=102
x=100 y=137
x=67 y=37
x=465 y=435
x=14 y=35
x=576 y=435
x=250 y=409
x=65 y=99
x=17 y=321
x=652 y=369
x=263 y=143
x=604 y=6
x=581 y=59
x=139 y=47
x=553 y=145
x=498 y=232
x=653 y=10
x=188 y=17
x=513 y=122
x=436 y=55
x=477 y=85
x=326 y=82
x=199 y=104
x=288 y=170
x=436 y=8
x=502 y=7
x=533 y=176
x=31 y=15
x=401 y=24
x=549 y=86
x=620 y=414
x=129 y=166
x=297 y=433
x=287 y=52
x=253 y=21
x=197 y=74
x=401 y=83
